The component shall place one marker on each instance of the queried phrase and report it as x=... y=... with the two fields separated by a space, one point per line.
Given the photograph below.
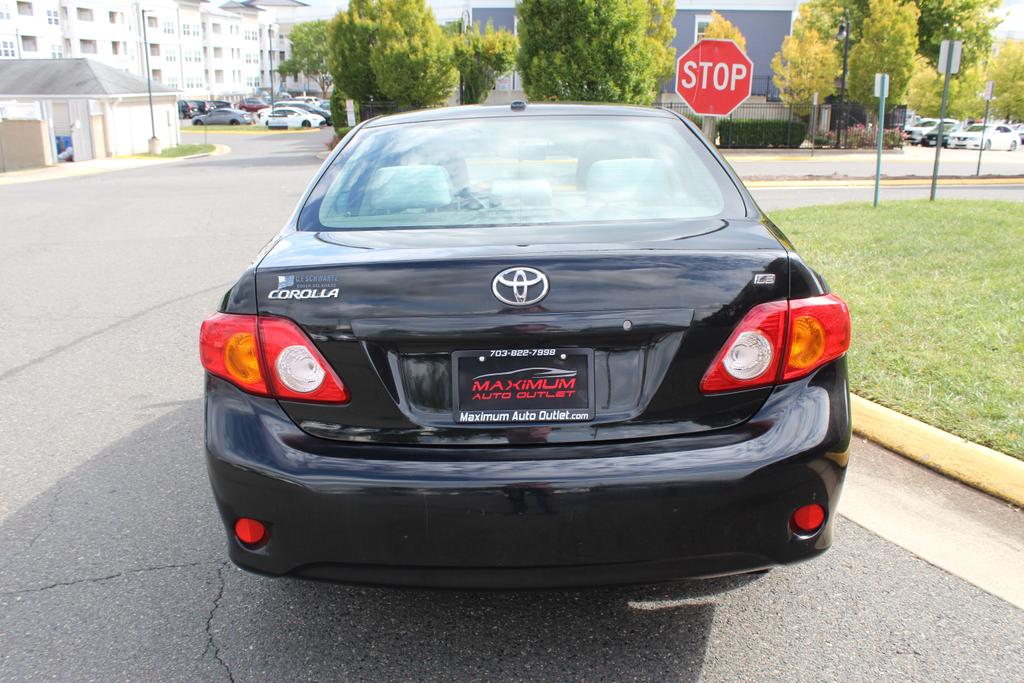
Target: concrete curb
x=983 y=468
x=218 y=149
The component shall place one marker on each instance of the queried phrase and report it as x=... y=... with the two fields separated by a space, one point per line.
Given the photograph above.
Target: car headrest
x=611 y=180
x=406 y=188
x=522 y=192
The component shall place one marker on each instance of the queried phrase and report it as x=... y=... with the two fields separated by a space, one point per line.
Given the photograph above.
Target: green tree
x=412 y=58
x=353 y=36
x=720 y=27
x=824 y=16
x=289 y=68
x=887 y=44
x=1007 y=70
x=971 y=21
x=590 y=50
x=660 y=34
x=965 y=91
x=481 y=57
x=806 y=64
x=309 y=41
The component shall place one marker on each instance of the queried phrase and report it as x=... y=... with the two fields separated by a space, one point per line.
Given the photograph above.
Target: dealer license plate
x=509 y=386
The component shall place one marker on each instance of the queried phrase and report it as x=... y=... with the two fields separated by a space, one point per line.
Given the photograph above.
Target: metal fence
x=760 y=125
x=779 y=125
x=368 y=110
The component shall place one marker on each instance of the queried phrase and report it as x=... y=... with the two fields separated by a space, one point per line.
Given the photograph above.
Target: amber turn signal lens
x=241 y=359
x=808 y=342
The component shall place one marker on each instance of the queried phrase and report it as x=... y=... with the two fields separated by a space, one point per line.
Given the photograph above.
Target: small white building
x=104 y=111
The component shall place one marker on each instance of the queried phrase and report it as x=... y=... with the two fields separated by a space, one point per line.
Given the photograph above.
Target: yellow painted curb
x=975 y=465
x=891 y=182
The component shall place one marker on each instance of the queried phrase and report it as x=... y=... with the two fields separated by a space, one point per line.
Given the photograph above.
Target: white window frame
x=697 y=21
x=52 y=17
x=7 y=48
x=5 y=11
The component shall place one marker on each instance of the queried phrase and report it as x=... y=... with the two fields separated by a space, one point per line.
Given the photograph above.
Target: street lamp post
x=270 y=54
x=466 y=18
x=843 y=35
x=154 y=142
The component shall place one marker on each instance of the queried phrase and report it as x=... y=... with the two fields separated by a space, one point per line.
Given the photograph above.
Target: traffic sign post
x=714 y=77
x=990 y=90
x=949 y=63
x=881 y=92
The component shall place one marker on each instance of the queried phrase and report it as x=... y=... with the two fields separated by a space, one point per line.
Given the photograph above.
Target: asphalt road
x=111 y=555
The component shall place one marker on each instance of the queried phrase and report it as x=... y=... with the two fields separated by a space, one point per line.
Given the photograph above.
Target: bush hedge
x=761 y=133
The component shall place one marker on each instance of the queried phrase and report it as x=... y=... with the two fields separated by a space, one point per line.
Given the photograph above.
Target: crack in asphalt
x=51 y=513
x=211 y=643
x=108 y=577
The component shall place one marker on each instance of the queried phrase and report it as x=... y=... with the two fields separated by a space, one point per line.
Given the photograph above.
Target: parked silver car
x=223 y=117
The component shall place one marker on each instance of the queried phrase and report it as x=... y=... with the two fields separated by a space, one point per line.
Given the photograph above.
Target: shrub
x=761 y=133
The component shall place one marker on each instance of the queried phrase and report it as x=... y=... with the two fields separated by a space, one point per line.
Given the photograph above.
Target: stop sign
x=714 y=76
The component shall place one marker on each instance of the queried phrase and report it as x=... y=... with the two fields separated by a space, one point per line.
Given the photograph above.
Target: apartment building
x=192 y=46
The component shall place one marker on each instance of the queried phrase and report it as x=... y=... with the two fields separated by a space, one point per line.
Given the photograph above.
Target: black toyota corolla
x=526 y=346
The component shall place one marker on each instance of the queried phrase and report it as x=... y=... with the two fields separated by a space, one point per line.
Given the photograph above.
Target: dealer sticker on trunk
x=509 y=386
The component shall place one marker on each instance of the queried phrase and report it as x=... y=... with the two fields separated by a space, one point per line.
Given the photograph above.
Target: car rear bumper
x=587 y=514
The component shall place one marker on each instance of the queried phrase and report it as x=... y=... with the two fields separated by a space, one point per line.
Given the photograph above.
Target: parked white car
x=262 y=114
x=289 y=117
x=997 y=136
x=921 y=127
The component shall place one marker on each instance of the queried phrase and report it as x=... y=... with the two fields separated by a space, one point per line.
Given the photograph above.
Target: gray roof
x=274 y=3
x=69 y=77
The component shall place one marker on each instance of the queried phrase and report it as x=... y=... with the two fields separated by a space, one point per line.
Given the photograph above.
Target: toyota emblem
x=520 y=286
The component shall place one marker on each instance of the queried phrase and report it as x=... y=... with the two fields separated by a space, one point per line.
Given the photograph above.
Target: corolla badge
x=520 y=286
x=307 y=286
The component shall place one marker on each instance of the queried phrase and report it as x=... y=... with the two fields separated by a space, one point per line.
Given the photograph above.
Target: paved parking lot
x=111 y=554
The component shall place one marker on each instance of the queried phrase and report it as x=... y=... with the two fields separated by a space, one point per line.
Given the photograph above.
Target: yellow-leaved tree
x=720 y=27
x=806 y=64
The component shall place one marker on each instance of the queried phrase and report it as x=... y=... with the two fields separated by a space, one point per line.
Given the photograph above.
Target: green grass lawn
x=185 y=150
x=936 y=291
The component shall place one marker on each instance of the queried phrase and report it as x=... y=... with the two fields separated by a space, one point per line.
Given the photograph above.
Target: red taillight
x=268 y=356
x=229 y=348
x=750 y=357
x=780 y=341
x=819 y=332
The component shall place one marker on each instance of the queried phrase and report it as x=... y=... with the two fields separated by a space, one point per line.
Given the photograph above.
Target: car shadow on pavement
x=119 y=571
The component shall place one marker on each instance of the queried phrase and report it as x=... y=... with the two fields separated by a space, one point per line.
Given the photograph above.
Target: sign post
x=814 y=121
x=881 y=92
x=714 y=77
x=949 y=63
x=990 y=89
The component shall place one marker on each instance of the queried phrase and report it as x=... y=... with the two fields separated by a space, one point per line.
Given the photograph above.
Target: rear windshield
x=520 y=171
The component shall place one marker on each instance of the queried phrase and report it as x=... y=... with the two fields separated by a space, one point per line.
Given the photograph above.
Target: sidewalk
x=916 y=163
x=94 y=166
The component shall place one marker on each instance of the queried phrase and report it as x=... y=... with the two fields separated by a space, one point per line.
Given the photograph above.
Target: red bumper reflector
x=250 y=531
x=808 y=519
